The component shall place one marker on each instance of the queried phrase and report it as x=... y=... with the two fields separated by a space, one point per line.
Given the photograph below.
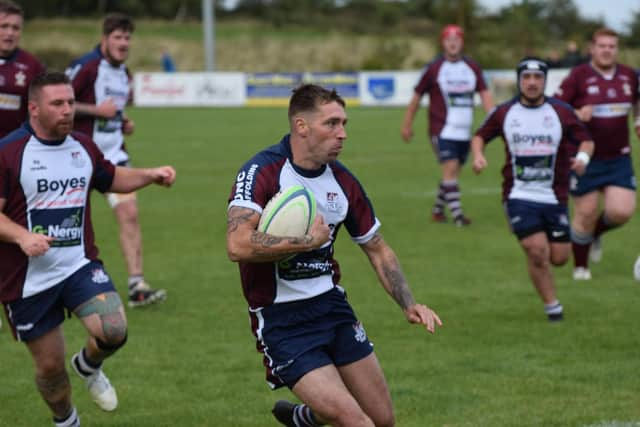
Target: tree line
x=528 y=26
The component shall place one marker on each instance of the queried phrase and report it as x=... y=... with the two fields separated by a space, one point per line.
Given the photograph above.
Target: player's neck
x=606 y=71
x=528 y=102
x=452 y=58
x=5 y=54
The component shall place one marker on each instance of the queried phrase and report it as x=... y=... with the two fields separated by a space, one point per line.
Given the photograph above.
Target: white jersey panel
x=457 y=82
x=533 y=136
x=56 y=194
x=111 y=83
x=332 y=204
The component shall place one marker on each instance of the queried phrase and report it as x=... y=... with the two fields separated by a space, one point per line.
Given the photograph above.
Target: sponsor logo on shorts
x=99 y=276
x=360 y=334
x=26 y=327
x=557 y=233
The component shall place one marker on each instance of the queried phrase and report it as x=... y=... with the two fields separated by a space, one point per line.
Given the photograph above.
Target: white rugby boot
x=636 y=269
x=100 y=389
x=581 y=273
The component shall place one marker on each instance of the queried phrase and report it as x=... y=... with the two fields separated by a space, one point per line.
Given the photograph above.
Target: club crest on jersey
x=332 y=201
x=360 y=334
x=21 y=78
x=626 y=89
x=611 y=93
x=99 y=276
x=547 y=122
x=77 y=160
x=514 y=123
x=593 y=90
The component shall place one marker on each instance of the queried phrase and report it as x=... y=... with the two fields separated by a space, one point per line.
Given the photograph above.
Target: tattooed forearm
x=238 y=216
x=267 y=243
x=398 y=284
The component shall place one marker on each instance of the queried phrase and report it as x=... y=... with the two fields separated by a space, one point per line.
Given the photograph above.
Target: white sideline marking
x=615 y=423
x=481 y=191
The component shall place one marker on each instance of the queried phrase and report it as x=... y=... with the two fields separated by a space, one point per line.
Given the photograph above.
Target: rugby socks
x=438 y=206
x=293 y=415
x=72 y=420
x=452 y=197
x=133 y=280
x=581 y=243
x=553 y=311
x=603 y=225
x=84 y=366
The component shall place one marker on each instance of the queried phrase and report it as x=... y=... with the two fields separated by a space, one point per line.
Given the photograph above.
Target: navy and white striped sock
x=303 y=416
x=72 y=420
x=84 y=365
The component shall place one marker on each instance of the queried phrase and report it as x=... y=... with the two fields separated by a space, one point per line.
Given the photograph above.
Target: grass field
x=496 y=361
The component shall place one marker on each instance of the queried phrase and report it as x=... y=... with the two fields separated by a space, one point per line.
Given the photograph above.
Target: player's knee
x=619 y=215
x=113 y=341
x=127 y=212
x=49 y=367
x=559 y=260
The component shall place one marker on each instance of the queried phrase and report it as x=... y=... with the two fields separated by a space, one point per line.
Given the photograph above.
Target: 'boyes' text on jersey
x=340 y=200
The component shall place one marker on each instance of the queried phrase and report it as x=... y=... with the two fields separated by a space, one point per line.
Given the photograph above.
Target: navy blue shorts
x=616 y=172
x=300 y=336
x=38 y=314
x=527 y=218
x=449 y=149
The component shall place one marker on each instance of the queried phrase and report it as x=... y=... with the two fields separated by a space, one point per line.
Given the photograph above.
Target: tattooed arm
x=387 y=267
x=245 y=243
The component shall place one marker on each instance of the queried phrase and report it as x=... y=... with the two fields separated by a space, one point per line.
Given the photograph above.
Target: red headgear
x=451 y=30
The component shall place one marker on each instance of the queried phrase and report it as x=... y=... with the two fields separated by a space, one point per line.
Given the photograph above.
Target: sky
x=616 y=13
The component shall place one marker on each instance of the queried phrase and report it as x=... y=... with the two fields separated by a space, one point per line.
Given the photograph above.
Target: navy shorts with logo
x=527 y=218
x=616 y=172
x=300 y=336
x=449 y=149
x=38 y=314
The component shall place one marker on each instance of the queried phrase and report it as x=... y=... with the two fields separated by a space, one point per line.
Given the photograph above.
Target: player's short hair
x=48 y=78
x=7 y=7
x=117 y=21
x=308 y=97
x=604 y=31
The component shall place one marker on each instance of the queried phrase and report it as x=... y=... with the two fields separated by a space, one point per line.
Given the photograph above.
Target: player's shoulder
x=28 y=58
x=17 y=137
x=505 y=106
x=91 y=58
x=562 y=108
x=627 y=70
x=470 y=62
x=274 y=155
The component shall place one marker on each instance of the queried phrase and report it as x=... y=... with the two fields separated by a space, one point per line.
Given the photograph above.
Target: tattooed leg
x=51 y=377
x=103 y=316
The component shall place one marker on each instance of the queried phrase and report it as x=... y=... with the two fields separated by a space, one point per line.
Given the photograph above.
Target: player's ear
x=300 y=126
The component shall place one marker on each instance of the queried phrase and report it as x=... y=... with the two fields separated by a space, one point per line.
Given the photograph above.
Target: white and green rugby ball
x=289 y=213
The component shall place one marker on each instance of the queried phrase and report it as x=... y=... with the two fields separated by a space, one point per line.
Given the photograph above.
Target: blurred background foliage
x=326 y=35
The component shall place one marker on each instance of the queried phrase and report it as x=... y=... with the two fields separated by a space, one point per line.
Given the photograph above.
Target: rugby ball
x=289 y=213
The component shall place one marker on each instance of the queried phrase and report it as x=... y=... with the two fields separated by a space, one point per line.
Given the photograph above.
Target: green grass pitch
x=496 y=361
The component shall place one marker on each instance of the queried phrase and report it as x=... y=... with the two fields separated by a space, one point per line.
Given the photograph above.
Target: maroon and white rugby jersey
x=46 y=186
x=340 y=200
x=451 y=87
x=94 y=80
x=537 y=148
x=16 y=72
x=612 y=99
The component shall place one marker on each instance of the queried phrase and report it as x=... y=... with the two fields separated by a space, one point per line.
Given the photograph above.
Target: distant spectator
x=572 y=56
x=168 y=65
x=554 y=60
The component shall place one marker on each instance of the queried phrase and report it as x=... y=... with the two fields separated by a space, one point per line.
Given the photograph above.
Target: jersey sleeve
x=81 y=81
x=361 y=222
x=568 y=89
x=481 y=84
x=425 y=82
x=256 y=183
x=491 y=127
x=103 y=170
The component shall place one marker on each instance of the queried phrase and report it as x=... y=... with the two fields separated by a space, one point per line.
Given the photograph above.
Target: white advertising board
x=387 y=87
x=190 y=89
